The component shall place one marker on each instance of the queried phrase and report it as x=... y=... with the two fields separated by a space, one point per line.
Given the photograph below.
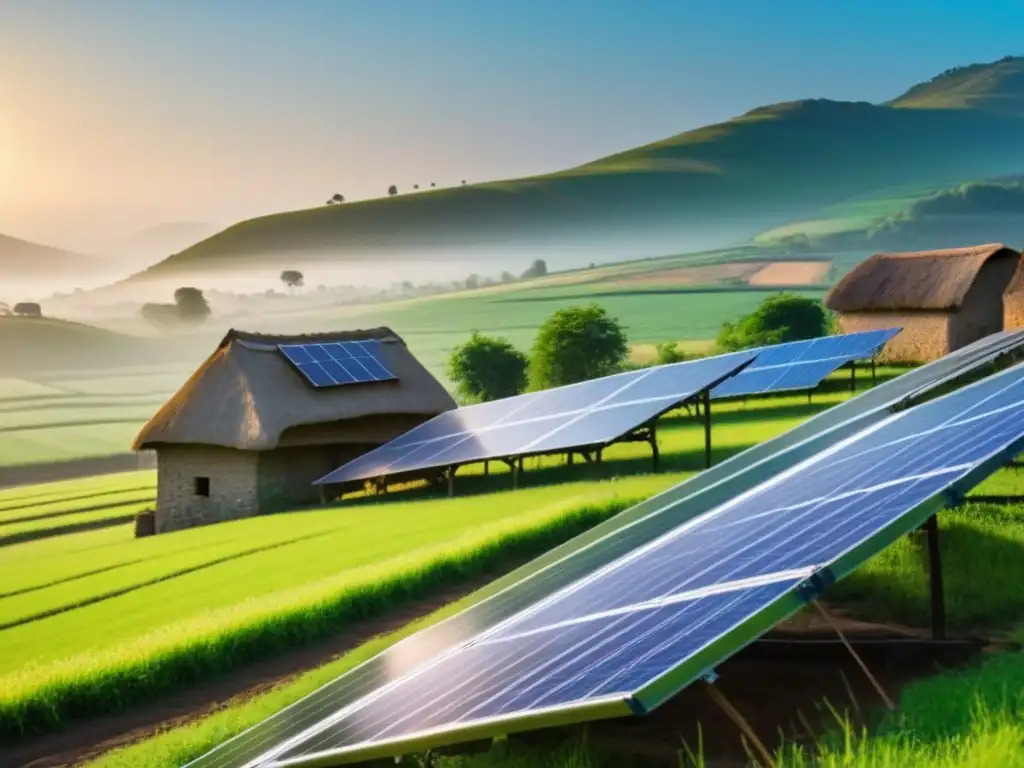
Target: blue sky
x=120 y=114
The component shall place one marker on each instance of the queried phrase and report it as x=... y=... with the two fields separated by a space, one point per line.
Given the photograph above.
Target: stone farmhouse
x=249 y=432
x=942 y=299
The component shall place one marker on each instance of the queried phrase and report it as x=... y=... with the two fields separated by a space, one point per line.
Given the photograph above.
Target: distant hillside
x=713 y=186
x=21 y=258
x=997 y=87
x=159 y=241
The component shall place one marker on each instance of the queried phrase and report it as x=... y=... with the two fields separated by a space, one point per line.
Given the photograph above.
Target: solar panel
x=579 y=415
x=331 y=364
x=602 y=544
x=636 y=631
x=798 y=365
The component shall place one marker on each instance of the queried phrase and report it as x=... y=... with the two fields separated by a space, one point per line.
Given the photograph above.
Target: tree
x=473 y=282
x=336 y=198
x=463 y=182
x=292 y=278
x=392 y=190
x=779 y=318
x=415 y=186
x=539 y=268
x=192 y=305
x=668 y=352
x=507 y=277
x=4 y=308
x=160 y=315
x=28 y=309
x=487 y=368
x=576 y=344
x=433 y=184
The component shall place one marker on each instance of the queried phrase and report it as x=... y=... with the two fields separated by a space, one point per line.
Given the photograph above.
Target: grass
x=190 y=625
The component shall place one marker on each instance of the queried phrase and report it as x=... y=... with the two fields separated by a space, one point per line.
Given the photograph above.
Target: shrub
x=487 y=368
x=779 y=318
x=577 y=344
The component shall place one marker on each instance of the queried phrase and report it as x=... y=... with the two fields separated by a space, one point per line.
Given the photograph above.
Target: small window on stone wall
x=202 y=486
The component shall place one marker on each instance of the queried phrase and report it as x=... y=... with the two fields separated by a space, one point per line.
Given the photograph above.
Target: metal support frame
x=874 y=378
x=853 y=377
x=706 y=398
x=451 y=480
x=809 y=396
x=935 y=579
x=323 y=496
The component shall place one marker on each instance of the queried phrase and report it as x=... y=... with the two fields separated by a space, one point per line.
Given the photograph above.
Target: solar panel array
x=602 y=544
x=330 y=364
x=589 y=413
x=799 y=365
x=639 y=629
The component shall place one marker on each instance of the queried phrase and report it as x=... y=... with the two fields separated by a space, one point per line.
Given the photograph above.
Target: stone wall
x=232 y=476
x=1013 y=311
x=925 y=335
x=286 y=475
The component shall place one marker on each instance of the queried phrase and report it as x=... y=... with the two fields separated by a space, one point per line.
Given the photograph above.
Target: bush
x=781 y=317
x=538 y=268
x=487 y=368
x=668 y=352
x=577 y=344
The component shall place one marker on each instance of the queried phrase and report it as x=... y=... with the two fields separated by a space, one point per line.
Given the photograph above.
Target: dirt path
x=88 y=739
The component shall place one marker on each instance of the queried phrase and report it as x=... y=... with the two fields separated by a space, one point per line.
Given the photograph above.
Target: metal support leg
x=873 y=379
x=808 y=397
x=935 y=577
x=707 y=429
x=569 y=458
x=323 y=496
x=853 y=377
x=516 y=464
x=451 y=481
x=487 y=468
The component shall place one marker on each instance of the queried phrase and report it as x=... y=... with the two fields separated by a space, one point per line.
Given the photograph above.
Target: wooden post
x=653 y=435
x=935 y=577
x=741 y=722
x=707 y=428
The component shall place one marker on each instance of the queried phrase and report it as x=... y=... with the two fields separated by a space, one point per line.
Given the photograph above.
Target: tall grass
x=37 y=699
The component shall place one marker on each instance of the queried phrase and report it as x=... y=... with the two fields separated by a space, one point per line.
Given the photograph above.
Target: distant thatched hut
x=942 y=299
x=1013 y=301
x=248 y=433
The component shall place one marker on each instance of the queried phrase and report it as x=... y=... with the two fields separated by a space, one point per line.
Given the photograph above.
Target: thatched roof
x=247 y=394
x=919 y=280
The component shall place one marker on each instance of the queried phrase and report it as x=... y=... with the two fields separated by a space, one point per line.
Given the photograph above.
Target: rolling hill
x=21 y=258
x=158 y=241
x=709 y=187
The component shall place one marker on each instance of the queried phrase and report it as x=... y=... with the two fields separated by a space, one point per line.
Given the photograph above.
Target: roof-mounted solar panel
x=331 y=364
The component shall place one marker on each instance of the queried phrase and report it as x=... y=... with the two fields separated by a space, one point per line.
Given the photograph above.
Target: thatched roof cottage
x=942 y=299
x=252 y=429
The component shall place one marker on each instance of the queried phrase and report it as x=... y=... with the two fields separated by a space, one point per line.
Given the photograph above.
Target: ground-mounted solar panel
x=589 y=551
x=801 y=365
x=331 y=364
x=591 y=413
x=633 y=633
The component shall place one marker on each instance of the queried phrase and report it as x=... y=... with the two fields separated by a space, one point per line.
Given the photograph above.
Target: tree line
x=581 y=343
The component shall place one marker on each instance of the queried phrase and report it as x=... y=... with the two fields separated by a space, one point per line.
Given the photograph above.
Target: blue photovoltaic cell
x=802 y=364
x=331 y=364
x=642 y=616
x=580 y=415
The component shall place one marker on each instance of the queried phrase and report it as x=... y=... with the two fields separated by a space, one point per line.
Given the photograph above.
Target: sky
x=118 y=115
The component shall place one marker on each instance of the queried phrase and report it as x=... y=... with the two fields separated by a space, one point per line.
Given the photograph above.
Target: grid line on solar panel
x=326 y=364
x=591 y=413
x=814 y=515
